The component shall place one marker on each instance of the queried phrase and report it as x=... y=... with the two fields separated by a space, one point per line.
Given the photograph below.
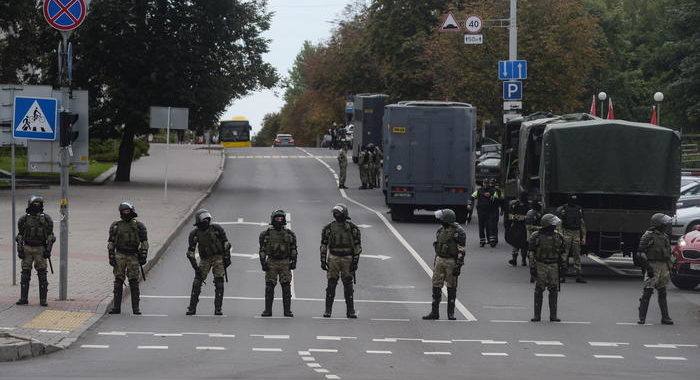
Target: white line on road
x=220 y=335
x=550 y=355
x=670 y=358
x=211 y=348
x=321 y=370
x=632 y=324
x=385 y=340
x=151 y=315
x=94 y=346
x=270 y=336
x=313 y=365
x=328 y=350
x=262 y=224
x=437 y=353
x=308 y=358
x=543 y=342
x=54 y=331
x=327 y=337
x=329 y=319
x=462 y=309
x=504 y=307
x=166 y=335
x=482 y=341
x=332 y=377
x=436 y=341
x=572 y=323
x=297 y=299
x=112 y=333
x=152 y=347
x=304 y=353
x=494 y=354
x=660 y=345
x=259 y=349
x=378 y=352
x=608 y=344
x=608 y=356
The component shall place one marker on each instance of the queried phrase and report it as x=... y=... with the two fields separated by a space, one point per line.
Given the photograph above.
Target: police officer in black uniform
x=487 y=205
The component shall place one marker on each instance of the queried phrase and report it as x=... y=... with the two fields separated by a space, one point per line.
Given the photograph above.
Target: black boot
x=514 y=260
x=24 y=287
x=435 y=306
x=269 y=298
x=663 y=305
x=523 y=256
x=118 y=290
x=330 y=296
x=287 y=299
x=538 y=305
x=349 y=300
x=579 y=278
x=553 y=295
x=451 y=299
x=218 y=295
x=194 y=296
x=644 y=305
x=43 y=287
x=135 y=296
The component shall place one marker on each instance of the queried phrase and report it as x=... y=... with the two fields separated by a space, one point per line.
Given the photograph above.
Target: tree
x=270 y=127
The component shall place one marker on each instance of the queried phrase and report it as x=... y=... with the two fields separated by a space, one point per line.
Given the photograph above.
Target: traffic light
x=68 y=135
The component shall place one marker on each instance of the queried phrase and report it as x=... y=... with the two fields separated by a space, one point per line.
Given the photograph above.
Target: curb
x=22 y=348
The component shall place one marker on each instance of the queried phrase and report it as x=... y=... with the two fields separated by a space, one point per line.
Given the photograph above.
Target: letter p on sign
x=512 y=90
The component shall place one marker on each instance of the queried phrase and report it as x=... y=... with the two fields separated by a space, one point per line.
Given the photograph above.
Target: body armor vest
x=571 y=217
x=341 y=241
x=209 y=242
x=127 y=236
x=36 y=230
x=446 y=246
x=278 y=244
x=660 y=248
x=519 y=208
x=547 y=247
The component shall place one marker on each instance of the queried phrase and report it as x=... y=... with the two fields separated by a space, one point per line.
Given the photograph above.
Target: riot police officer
x=343 y=166
x=655 y=254
x=377 y=157
x=449 y=258
x=487 y=200
x=363 y=163
x=278 y=257
x=516 y=232
x=546 y=250
x=35 y=240
x=533 y=218
x=341 y=247
x=214 y=253
x=574 y=231
x=127 y=247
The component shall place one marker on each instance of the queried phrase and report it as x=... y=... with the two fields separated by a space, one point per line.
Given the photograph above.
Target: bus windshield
x=234 y=131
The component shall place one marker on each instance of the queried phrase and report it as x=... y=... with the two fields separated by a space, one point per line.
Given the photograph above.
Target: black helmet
x=446 y=216
x=342 y=210
x=200 y=215
x=35 y=209
x=550 y=220
x=126 y=206
x=35 y=199
x=660 y=220
x=278 y=213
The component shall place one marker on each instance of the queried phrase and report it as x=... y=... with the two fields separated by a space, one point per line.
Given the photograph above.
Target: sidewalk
x=191 y=176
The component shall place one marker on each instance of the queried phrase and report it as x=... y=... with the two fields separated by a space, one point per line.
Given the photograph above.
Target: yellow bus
x=235 y=133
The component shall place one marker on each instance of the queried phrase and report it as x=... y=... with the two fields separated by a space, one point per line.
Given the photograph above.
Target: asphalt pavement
x=492 y=338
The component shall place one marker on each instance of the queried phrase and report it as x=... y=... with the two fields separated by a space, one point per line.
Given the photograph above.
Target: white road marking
x=8 y=328
x=364 y=225
x=482 y=341
x=332 y=377
x=437 y=353
x=94 y=346
x=308 y=358
x=240 y=220
x=378 y=352
x=380 y=257
x=271 y=317
x=543 y=342
x=297 y=299
x=152 y=347
x=331 y=318
x=313 y=365
x=670 y=358
x=390 y=319
x=462 y=309
x=632 y=324
x=209 y=316
x=506 y=321
x=270 y=336
x=329 y=350
x=112 y=333
x=608 y=356
x=601 y=262
x=608 y=344
x=220 y=335
x=212 y=348
x=436 y=341
x=259 y=349
x=661 y=345
x=385 y=340
x=304 y=353
x=327 y=337
x=166 y=335
x=246 y=255
x=54 y=331
x=321 y=370
x=494 y=354
x=550 y=355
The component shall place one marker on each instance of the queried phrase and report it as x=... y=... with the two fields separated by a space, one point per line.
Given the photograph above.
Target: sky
x=293 y=22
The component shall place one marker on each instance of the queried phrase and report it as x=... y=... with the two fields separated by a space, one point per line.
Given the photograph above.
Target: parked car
x=283 y=140
x=686 y=220
x=690 y=185
x=489 y=167
x=685 y=272
x=688 y=201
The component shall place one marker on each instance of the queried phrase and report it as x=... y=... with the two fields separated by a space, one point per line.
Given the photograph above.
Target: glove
x=650 y=271
x=227 y=261
x=353 y=266
x=292 y=264
x=46 y=254
x=533 y=271
x=264 y=265
x=457 y=270
x=324 y=265
x=142 y=259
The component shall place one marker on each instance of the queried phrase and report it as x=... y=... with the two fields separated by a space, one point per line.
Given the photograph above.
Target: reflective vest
x=36 y=230
x=446 y=244
x=278 y=245
x=126 y=238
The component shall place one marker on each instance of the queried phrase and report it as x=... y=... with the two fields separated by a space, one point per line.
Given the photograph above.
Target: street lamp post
x=602 y=96
x=658 y=98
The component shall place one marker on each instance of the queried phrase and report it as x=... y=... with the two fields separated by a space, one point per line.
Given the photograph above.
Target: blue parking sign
x=512 y=90
x=35 y=118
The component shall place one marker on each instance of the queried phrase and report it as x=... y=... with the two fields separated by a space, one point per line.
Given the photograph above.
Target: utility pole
x=513 y=31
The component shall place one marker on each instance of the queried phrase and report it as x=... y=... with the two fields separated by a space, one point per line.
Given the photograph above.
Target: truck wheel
x=684 y=283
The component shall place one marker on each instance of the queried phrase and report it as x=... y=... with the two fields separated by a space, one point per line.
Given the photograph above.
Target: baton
x=226 y=274
x=50 y=265
x=354 y=278
x=143 y=274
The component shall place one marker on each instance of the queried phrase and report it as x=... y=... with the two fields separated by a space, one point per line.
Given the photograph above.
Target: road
x=492 y=338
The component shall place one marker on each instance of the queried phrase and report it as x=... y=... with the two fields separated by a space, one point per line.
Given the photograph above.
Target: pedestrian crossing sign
x=35 y=118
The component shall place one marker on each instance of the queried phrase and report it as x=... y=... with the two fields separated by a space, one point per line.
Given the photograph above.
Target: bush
x=107 y=150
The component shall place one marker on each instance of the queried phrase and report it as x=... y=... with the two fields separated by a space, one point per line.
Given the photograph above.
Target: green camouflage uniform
x=546 y=255
x=364 y=164
x=574 y=230
x=343 y=165
x=277 y=249
x=34 y=241
x=655 y=255
x=127 y=241
x=341 y=247
x=376 y=166
x=449 y=253
x=213 y=247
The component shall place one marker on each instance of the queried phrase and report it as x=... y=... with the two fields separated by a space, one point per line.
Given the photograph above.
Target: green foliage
x=270 y=128
x=107 y=150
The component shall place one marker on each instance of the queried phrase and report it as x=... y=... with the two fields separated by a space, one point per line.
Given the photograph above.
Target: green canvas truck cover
x=610 y=157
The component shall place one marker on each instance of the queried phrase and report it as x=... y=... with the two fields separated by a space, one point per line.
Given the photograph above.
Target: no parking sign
x=65 y=15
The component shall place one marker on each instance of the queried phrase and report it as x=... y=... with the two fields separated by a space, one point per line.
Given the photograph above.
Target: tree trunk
x=126 y=155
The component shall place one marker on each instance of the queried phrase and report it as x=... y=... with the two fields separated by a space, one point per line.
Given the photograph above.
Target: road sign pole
x=14 y=217
x=65 y=163
x=513 y=31
x=167 y=154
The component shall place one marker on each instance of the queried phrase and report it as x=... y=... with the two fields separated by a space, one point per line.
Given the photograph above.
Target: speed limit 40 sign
x=474 y=24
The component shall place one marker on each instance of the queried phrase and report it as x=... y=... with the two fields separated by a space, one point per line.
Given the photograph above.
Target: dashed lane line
x=321 y=370
x=381 y=352
x=211 y=348
x=670 y=358
x=94 y=346
x=446 y=353
x=494 y=354
x=266 y=349
x=462 y=309
x=308 y=358
x=608 y=356
x=543 y=342
x=313 y=365
x=264 y=336
x=326 y=350
x=337 y=338
x=608 y=344
x=550 y=355
x=166 y=335
x=482 y=341
x=506 y=321
x=436 y=341
x=152 y=347
x=332 y=377
x=390 y=320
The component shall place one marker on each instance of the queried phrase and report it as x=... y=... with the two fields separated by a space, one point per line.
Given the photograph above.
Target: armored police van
x=367 y=120
x=428 y=157
x=622 y=173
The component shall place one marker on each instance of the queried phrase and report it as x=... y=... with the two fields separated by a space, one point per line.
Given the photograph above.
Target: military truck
x=367 y=120
x=622 y=173
x=428 y=157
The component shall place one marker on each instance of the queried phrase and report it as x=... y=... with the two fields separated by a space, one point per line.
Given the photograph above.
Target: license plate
x=694 y=266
